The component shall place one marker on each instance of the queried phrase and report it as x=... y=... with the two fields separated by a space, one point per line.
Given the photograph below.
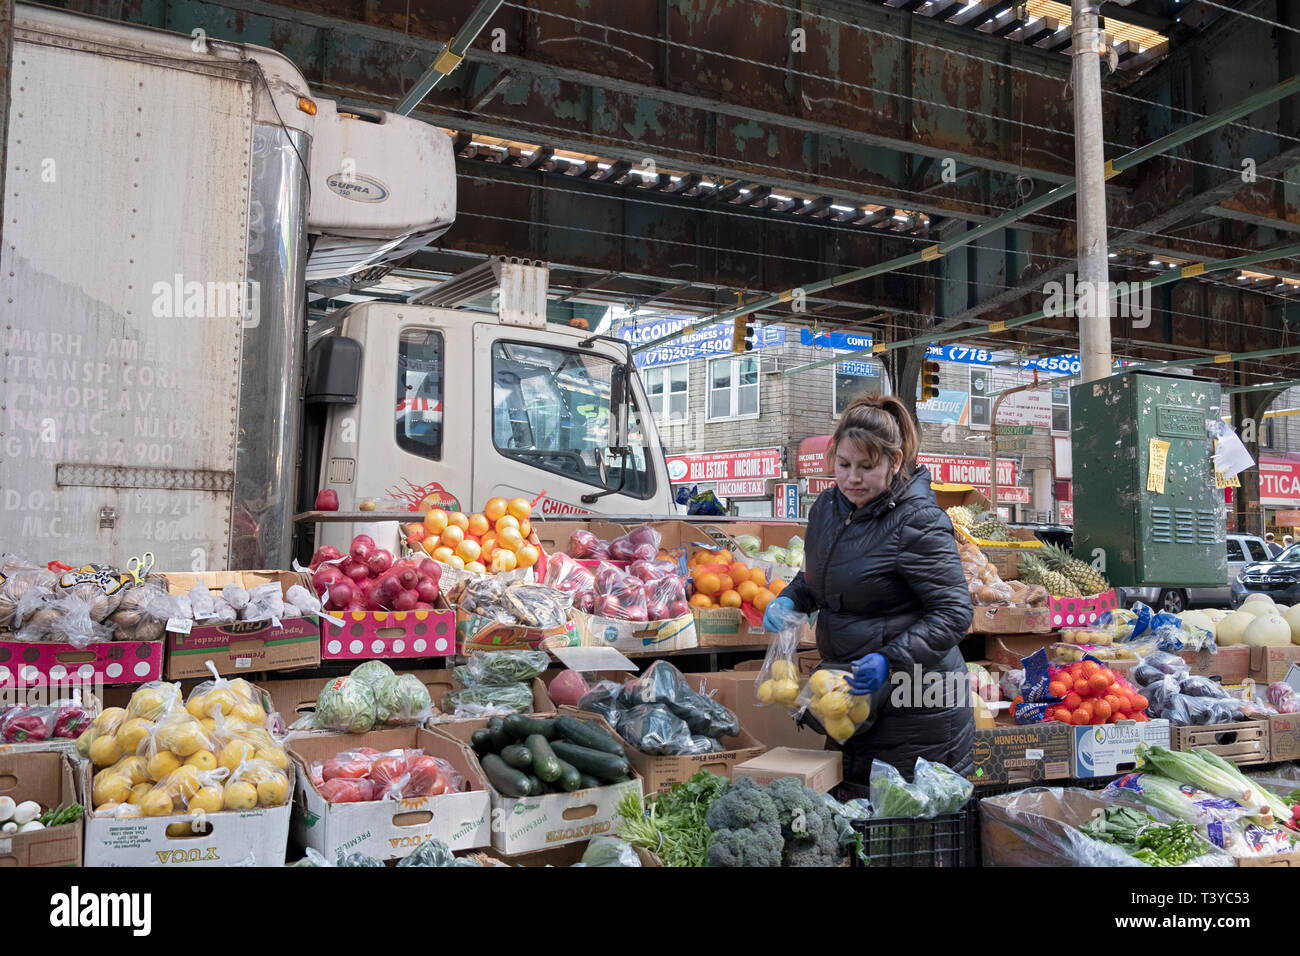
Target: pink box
x=367 y=635
x=1081 y=612
x=24 y=664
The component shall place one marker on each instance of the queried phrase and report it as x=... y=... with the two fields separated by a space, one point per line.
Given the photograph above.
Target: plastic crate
x=946 y=840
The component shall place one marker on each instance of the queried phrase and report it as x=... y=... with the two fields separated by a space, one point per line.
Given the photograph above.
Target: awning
x=813 y=457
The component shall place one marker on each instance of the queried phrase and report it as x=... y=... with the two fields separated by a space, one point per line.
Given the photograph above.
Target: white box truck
x=169 y=202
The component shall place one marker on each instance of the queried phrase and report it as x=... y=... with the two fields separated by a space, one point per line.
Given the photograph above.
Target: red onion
x=428 y=591
x=431 y=569
x=389 y=587
x=342 y=592
x=325 y=553
x=325 y=576
x=407 y=574
x=362 y=545
x=379 y=560
x=357 y=571
x=421 y=606
x=406 y=601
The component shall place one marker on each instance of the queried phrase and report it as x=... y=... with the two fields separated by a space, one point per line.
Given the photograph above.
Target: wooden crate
x=1243 y=743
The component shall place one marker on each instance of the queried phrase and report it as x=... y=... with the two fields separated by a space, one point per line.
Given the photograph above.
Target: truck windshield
x=550 y=409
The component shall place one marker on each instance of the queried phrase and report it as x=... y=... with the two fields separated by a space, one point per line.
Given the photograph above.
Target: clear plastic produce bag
x=498 y=668
x=840 y=713
x=402 y=700
x=778 y=678
x=607 y=698
x=654 y=729
x=948 y=791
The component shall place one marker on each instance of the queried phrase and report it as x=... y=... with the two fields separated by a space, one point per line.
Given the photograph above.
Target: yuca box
x=524 y=824
x=1268 y=665
x=1230 y=665
x=389 y=829
x=818 y=769
x=772 y=726
x=109 y=662
x=229 y=838
x=242 y=646
x=1022 y=753
x=568 y=855
x=998 y=619
x=1103 y=750
x=50 y=779
x=637 y=637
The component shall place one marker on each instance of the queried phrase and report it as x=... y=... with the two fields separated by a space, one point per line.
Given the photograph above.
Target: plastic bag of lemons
x=778 y=678
x=826 y=695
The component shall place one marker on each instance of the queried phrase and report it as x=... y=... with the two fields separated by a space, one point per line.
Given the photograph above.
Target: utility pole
x=1090 y=202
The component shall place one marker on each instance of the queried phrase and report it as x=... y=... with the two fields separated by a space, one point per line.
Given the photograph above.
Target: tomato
x=389 y=776
x=425 y=778
x=350 y=764
x=344 y=790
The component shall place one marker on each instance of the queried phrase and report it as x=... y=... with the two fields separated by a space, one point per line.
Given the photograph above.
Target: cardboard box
x=1022 y=753
x=1289 y=858
x=660 y=773
x=568 y=855
x=51 y=779
x=1105 y=750
x=389 y=635
x=536 y=823
x=637 y=637
x=1268 y=665
x=819 y=769
x=1284 y=737
x=1229 y=665
x=389 y=829
x=999 y=619
x=24 y=664
x=1081 y=611
x=961 y=495
x=242 y=646
x=479 y=633
x=1244 y=743
x=1006 y=557
x=230 y=838
x=771 y=726
x=1008 y=650
x=726 y=627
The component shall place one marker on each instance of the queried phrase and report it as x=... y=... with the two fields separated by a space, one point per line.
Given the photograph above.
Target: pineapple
x=1081 y=574
x=1033 y=570
x=991 y=530
x=961 y=516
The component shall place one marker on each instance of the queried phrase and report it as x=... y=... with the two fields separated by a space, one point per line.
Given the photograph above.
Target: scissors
x=139 y=568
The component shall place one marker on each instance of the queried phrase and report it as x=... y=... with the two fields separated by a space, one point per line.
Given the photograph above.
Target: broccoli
x=745 y=805
x=746 y=827
x=808 y=825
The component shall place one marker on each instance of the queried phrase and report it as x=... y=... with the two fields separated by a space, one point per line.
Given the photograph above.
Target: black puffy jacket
x=886 y=578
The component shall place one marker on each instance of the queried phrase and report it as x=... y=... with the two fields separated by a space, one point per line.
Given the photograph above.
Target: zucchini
x=545 y=764
x=623 y=779
x=497 y=731
x=481 y=741
x=537 y=787
x=520 y=727
x=518 y=756
x=589 y=782
x=585 y=733
x=505 y=778
x=594 y=762
x=570 y=780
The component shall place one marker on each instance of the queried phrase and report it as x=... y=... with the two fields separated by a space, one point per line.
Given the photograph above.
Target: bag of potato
x=778 y=678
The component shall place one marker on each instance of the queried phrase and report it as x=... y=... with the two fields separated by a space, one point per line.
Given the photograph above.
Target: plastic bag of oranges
x=717 y=581
x=778 y=679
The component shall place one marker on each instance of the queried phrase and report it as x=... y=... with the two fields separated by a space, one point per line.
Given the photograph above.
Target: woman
x=882 y=571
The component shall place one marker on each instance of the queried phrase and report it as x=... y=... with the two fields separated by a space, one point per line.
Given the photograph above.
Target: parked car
x=1278 y=577
x=1244 y=550
x=1056 y=534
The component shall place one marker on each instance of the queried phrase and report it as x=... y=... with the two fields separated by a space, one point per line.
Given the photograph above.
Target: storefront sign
x=817 y=485
x=948 y=407
x=711 y=340
x=785 y=500
x=952 y=470
x=747 y=488
x=1279 y=482
x=755 y=464
x=813 y=456
x=840 y=341
x=1067 y=512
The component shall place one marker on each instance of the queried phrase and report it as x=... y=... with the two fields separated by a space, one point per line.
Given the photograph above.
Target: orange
x=489 y=540
x=478 y=524
x=441 y=553
x=430 y=546
x=527 y=556
x=453 y=536
x=457 y=562
x=722 y=557
x=729 y=599
x=739 y=572
x=725 y=583
x=468 y=550
x=510 y=539
x=495 y=509
x=521 y=508
x=435 y=521
x=459 y=519
x=415 y=532
x=747 y=590
x=525 y=528
x=1089 y=668
x=701 y=600
x=708 y=584
x=476 y=567
x=758 y=576
x=509 y=521
x=487 y=554
x=762 y=599
x=504 y=561
x=777 y=586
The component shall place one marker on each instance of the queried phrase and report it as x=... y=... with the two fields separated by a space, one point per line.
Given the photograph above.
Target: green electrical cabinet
x=1148 y=538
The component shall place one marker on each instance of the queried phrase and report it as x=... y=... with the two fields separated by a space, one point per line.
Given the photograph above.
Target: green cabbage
x=347 y=705
x=401 y=699
x=749 y=544
x=371 y=673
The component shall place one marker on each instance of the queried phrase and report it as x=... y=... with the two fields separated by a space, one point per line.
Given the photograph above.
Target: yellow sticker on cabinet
x=1157 y=460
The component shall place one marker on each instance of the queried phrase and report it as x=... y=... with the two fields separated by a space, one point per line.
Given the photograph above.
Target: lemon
x=276 y=756
x=108 y=719
x=183 y=782
x=815 y=705
x=202 y=760
x=273 y=791
x=139 y=792
x=156 y=804
x=243 y=690
x=209 y=724
x=783 y=670
x=839 y=728
x=161 y=764
x=128 y=811
x=105 y=751
x=110 y=788
x=134 y=768
x=234 y=753
x=246 y=710
x=766 y=691
x=206 y=800
x=786 y=692
x=179 y=829
x=241 y=796
x=223 y=698
x=860 y=710
x=198 y=707
x=184 y=737
x=132 y=732
x=835 y=704
x=821 y=682
x=84 y=741
x=151 y=702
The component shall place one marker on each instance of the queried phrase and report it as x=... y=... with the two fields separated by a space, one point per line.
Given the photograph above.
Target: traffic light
x=929 y=381
x=743 y=334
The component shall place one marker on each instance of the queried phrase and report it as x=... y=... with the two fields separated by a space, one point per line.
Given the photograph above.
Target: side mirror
x=620 y=407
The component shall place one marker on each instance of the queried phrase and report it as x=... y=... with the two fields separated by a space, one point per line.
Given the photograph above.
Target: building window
x=665 y=387
x=419 y=393
x=856 y=378
x=1060 y=411
x=733 y=388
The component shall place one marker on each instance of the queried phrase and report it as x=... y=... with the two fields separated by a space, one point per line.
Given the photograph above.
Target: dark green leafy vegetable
x=1144 y=837
x=504 y=667
x=673 y=828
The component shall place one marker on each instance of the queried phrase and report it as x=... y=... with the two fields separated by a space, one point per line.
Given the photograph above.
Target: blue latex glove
x=869 y=674
x=778 y=614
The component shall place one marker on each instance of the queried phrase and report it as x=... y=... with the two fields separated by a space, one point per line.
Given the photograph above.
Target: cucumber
x=505 y=778
x=517 y=756
x=497 y=732
x=594 y=762
x=589 y=782
x=623 y=779
x=545 y=764
x=520 y=727
x=570 y=780
x=585 y=733
x=482 y=742
x=537 y=787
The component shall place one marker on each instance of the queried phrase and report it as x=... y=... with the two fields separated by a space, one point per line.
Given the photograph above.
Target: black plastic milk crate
x=945 y=840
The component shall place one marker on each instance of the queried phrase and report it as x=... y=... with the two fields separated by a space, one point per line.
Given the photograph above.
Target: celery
x=1188 y=768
